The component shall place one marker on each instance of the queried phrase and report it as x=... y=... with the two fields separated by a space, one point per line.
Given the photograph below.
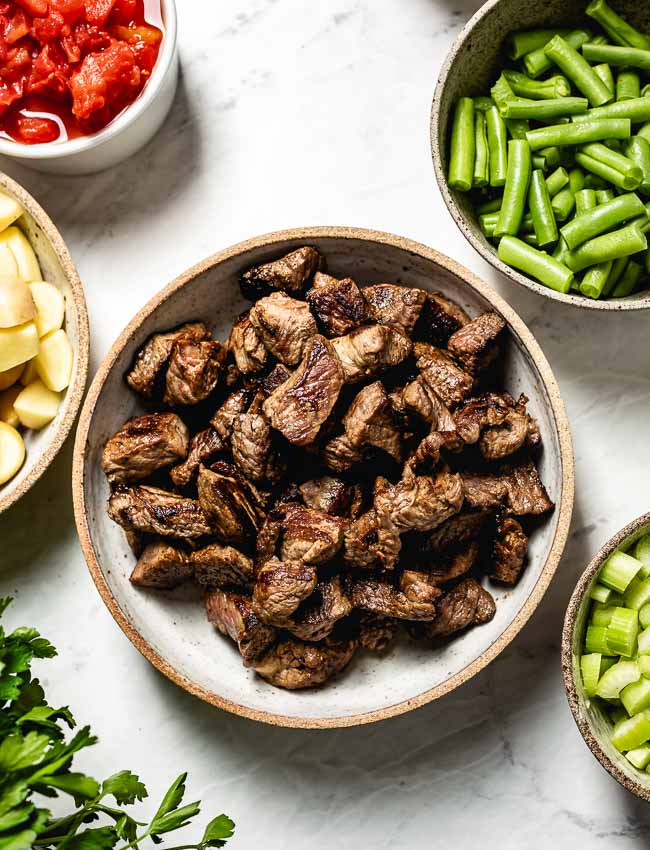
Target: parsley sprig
x=36 y=757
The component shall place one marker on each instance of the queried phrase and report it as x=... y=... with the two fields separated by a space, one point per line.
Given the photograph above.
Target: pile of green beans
x=557 y=157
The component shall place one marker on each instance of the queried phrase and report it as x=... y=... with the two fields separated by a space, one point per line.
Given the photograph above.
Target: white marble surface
x=295 y=113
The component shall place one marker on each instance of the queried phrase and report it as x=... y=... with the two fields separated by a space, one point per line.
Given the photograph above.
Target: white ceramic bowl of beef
x=126 y=134
x=171 y=630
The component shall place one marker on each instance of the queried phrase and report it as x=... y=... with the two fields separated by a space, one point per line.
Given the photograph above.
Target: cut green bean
x=592 y=181
x=489 y=206
x=537 y=62
x=539 y=265
x=604 y=196
x=517 y=127
x=502 y=94
x=579 y=133
x=544 y=110
x=557 y=180
x=541 y=210
x=552 y=155
x=629 y=280
x=564 y=202
x=578 y=70
x=637 y=149
x=585 y=201
x=548 y=89
x=482 y=155
x=605 y=73
x=525 y=41
x=539 y=161
x=595 y=279
x=618 y=267
x=644 y=131
x=620 y=243
x=628 y=181
x=515 y=191
x=637 y=110
x=616 y=27
x=599 y=39
x=601 y=218
x=618 y=57
x=530 y=239
x=488 y=223
x=628 y=85
x=498 y=147
x=483 y=103
x=463 y=146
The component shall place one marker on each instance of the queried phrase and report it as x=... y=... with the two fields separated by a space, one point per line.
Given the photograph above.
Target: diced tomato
x=35 y=131
x=105 y=81
x=48 y=74
x=84 y=39
x=17 y=27
x=72 y=10
x=124 y=11
x=33 y=7
x=97 y=11
x=50 y=28
x=10 y=93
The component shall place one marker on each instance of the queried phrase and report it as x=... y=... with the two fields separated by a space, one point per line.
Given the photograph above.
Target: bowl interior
x=471 y=69
x=58 y=269
x=174 y=625
x=592 y=721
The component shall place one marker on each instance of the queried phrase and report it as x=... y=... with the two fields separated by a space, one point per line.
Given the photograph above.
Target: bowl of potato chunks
x=43 y=342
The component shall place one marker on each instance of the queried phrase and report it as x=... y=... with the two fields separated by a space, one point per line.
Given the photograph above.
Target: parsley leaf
x=217 y=831
x=125 y=787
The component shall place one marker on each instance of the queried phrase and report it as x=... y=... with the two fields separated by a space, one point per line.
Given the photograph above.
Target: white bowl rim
x=564 y=506
x=72 y=147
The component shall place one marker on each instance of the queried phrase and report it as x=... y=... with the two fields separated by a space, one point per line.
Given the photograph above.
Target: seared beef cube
x=362 y=542
x=276 y=377
x=467 y=604
x=439 y=370
x=509 y=550
x=232 y=613
x=284 y=325
x=454 y=564
x=154 y=354
x=379 y=597
x=526 y=493
x=246 y=346
x=251 y=446
x=316 y=618
x=417 y=586
x=457 y=531
x=294 y=664
x=280 y=588
x=369 y=350
x=331 y=495
x=484 y=489
x=507 y=437
x=484 y=411
x=229 y=502
x=224 y=418
x=396 y=306
x=162 y=566
x=137 y=541
x=268 y=540
x=337 y=304
x=440 y=318
x=204 y=447
x=310 y=536
x=155 y=511
x=144 y=445
x=475 y=344
x=222 y=566
x=193 y=371
x=299 y=407
x=368 y=422
x=421 y=399
x=421 y=502
x=376 y=632
x=290 y=273
x=427 y=455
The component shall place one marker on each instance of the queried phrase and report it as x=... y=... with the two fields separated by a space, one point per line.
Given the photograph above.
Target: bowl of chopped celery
x=606 y=656
x=541 y=146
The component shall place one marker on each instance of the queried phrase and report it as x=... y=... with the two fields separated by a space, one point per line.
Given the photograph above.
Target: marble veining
x=293 y=114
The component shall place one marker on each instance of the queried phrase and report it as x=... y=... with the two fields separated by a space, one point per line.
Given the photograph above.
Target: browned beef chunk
x=154 y=354
x=484 y=489
x=376 y=632
x=451 y=383
x=396 y=306
x=466 y=604
x=516 y=430
x=518 y=486
x=276 y=377
x=362 y=548
x=229 y=502
x=475 y=344
x=290 y=273
x=421 y=502
x=246 y=346
x=421 y=399
x=369 y=350
x=474 y=415
x=368 y=422
x=316 y=618
x=379 y=597
x=155 y=511
x=427 y=455
x=299 y=407
x=284 y=325
x=193 y=371
x=509 y=550
x=143 y=445
x=457 y=531
x=204 y=447
x=251 y=446
x=222 y=566
x=279 y=589
x=294 y=664
x=162 y=566
x=452 y=564
x=440 y=318
x=224 y=418
x=232 y=613
x=268 y=540
x=310 y=536
x=136 y=540
x=332 y=496
x=337 y=304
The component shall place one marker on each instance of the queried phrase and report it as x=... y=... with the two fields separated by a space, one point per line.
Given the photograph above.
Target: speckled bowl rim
x=75 y=393
x=622 y=304
x=570 y=619
x=564 y=508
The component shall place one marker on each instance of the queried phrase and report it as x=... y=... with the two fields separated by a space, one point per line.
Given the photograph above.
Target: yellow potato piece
x=9 y=378
x=54 y=361
x=7 y=412
x=36 y=406
x=28 y=267
x=10 y=210
x=16 y=302
x=12 y=452
x=50 y=307
x=17 y=345
x=29 y=373
x=8 y=264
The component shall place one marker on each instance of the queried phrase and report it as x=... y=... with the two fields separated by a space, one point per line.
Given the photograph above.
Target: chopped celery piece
x=606 y=662
x=616 y=678
x=602 y=614
x=642 y=550
x=636 y=696
x=596 y=640
x=644 y=642
x=590 y=668
x=619 y=570
x=644 y=665
x=640 y=757
x=644 y=616
x=632 y=733
x=622 y=632
x=600 y=593
x=638 y=594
